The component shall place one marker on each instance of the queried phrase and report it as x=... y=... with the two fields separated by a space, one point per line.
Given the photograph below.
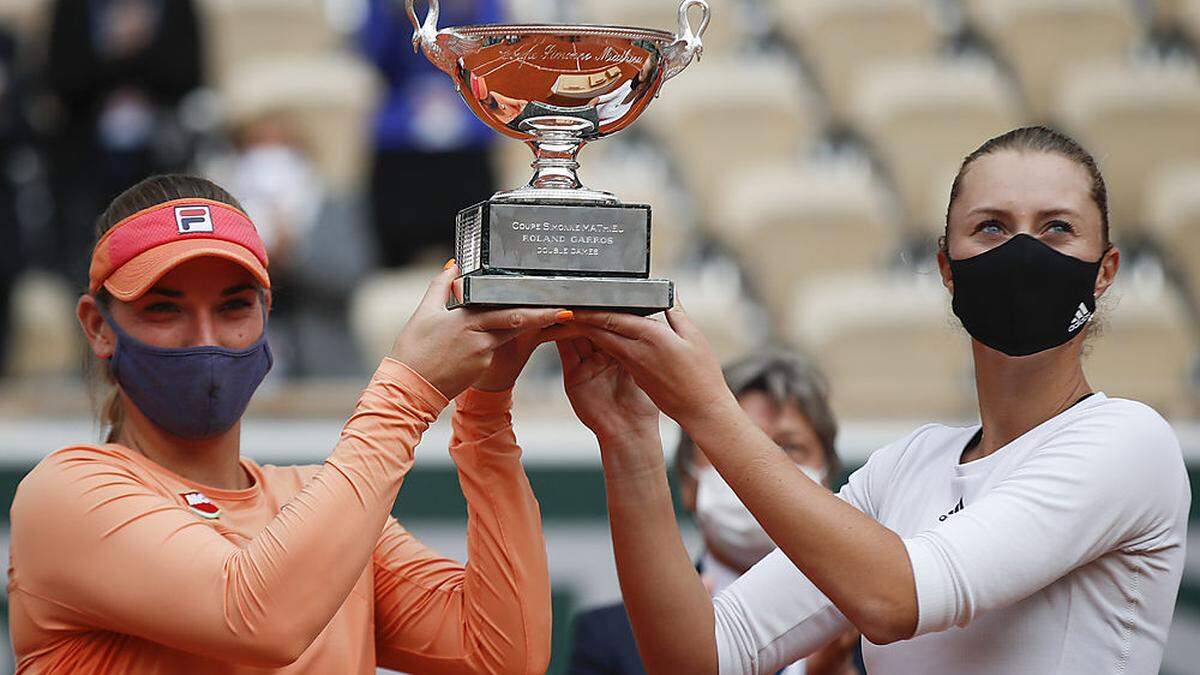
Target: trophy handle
x=688 y=44
x=425 y=35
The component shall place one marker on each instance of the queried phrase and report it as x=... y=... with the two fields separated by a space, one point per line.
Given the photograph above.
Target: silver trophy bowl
x=558 y=87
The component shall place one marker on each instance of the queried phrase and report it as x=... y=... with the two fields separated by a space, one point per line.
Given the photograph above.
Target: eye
x=236 y=304
x=990 y=226
x=1060 y=226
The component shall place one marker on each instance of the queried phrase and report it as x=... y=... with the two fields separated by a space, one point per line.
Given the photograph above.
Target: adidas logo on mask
x=1082 y=316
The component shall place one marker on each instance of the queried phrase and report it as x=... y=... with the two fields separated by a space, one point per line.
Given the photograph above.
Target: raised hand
x=510 y=358
x=452 y=348
x=672 y=361
x=603 y=394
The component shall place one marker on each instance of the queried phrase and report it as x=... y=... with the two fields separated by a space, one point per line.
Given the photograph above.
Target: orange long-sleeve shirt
x=118 y=567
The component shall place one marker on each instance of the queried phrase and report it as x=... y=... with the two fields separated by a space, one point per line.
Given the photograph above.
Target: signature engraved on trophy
x=554 y=52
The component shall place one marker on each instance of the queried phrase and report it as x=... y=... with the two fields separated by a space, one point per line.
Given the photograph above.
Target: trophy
x=554 y=242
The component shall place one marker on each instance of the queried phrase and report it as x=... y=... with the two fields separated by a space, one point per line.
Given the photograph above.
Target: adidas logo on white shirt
x=1082 y=316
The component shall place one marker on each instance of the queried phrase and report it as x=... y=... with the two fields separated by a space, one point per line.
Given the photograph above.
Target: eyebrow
x=172 y=293
x=1046 y=213
x=234 y=290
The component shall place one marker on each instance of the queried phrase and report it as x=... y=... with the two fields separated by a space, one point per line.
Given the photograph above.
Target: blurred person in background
x=316 y=238
x=1048 y=538
x=15 y=136
x=117 y=70
x=431 y=153
x=788 y=399
x=164 y=550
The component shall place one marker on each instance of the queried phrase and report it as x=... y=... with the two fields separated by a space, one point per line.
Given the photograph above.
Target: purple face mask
x=191 y=392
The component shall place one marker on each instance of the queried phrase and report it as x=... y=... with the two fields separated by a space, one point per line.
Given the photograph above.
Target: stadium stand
x=922 y=117
x=1133 y=118
x=841 y=39
x=1145 y=348
x=1173 y=211
x=1042 y=40
x=791 y=222
x=887 y=342
x=761 y=112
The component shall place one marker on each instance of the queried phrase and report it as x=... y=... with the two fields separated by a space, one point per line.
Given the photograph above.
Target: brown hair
x=1035 y=139
x=786 y=377
x=146 y=194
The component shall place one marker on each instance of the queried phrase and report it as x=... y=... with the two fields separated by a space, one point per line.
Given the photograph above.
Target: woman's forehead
x=1022 y=182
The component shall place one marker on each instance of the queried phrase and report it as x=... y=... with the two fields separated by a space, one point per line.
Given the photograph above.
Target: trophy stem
x=556 y=145
x=556 y=151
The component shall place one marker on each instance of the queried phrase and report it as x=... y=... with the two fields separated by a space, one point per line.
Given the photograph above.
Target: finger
x=681 y=323
x=628 y=325
x=616 y=345
x=532 y=333
x=494 y=339
x=568 y=354
x=584 y=345
x=512 y=318
x=557 y=333
x=439 y=288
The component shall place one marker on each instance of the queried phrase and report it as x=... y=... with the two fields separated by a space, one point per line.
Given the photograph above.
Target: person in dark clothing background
x=431 y=154
x=787 y=398
x=15 y=137
x=118 y=70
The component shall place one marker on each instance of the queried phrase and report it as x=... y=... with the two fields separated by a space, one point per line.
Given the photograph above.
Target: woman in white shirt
x=1049 y=538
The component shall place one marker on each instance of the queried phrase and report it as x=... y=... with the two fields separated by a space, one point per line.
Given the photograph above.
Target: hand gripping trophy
x=555 y=242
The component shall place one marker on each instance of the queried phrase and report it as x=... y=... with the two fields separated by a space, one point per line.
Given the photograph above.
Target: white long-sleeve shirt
x=1061 y=552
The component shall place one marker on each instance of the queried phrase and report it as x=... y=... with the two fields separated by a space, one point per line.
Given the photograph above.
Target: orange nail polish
x=564 y=316
x=449 y=263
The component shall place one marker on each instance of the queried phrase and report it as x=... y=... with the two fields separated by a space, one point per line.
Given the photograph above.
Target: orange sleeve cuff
x=410 y=380
x=482 y=402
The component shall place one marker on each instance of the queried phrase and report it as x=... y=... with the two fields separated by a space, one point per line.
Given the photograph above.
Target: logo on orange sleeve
x=200 y=504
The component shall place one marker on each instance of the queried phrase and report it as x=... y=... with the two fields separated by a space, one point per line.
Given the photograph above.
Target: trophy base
x=633 y=296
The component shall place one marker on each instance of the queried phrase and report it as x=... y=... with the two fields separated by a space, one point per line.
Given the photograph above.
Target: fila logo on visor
x=193 y=219
x=200 y=504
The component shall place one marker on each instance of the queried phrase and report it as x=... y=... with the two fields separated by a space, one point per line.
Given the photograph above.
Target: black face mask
x=1023 y=297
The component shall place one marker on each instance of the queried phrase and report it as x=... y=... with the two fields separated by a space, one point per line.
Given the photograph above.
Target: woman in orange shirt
x=165 y=551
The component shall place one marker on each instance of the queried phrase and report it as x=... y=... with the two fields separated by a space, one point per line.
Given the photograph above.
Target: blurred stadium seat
x=888 y=343
x=727 y=115
x=1042 y=39
x=841 y=38
x=922 y=117
x=1146 y=347
x=791 y=222
x=382 y=304
x=1134 y=118
x=714 y=299
x=1189 y=19
x=245 y=30
x=640 y=176
x=327 y=97
x=1173 y=213
x=46 y=340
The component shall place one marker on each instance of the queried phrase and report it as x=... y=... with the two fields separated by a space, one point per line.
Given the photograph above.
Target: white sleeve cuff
x=936 y=599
